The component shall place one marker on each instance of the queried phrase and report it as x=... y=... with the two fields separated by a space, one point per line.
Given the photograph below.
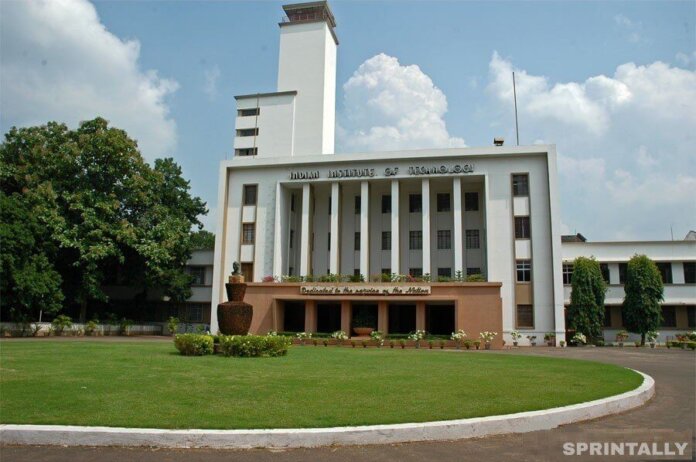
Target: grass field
x=147 y=384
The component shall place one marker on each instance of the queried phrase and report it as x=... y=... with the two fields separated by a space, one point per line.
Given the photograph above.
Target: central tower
x=307 y=64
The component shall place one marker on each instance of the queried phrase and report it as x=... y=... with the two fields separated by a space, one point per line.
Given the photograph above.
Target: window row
x=665 y=269
x=247 y=132
x=415 y=203
x=669 y=316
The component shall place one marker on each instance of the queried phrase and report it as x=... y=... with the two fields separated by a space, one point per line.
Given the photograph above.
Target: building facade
x=676 y=261
x=290 y=208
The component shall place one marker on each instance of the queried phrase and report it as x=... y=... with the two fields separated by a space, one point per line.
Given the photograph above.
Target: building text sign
x=365 y=290
x=413 y=170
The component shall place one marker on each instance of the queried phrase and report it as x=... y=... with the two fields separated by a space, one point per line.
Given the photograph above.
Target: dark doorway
x=294 y=317
x=328 y=317
x=439 y=319
x=402 y=318
x=364 y=315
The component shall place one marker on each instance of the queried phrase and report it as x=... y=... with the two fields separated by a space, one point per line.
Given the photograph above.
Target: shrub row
x=251 y=346
x=194 y=344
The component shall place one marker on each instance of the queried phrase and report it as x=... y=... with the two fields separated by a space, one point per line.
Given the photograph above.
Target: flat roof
x=264 y=95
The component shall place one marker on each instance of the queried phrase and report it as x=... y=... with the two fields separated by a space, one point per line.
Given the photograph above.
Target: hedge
x=194 y=344
x=250 y=346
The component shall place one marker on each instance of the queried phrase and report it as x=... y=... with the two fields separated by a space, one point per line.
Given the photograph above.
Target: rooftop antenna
x=514 y=92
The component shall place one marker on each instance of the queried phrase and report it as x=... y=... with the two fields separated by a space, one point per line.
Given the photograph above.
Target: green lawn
x=147 y=384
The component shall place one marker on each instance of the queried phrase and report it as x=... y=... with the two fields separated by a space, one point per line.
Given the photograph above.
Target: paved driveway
x=669 y=417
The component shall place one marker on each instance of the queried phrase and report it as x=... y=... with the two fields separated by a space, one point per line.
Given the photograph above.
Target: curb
x=523 y=422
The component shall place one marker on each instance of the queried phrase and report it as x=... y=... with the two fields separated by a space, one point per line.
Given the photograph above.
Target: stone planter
x=363 y=331
x=234 y=316
x=487 y=345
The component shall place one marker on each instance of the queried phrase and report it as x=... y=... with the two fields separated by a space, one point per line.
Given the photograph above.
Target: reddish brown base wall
x=478 y=306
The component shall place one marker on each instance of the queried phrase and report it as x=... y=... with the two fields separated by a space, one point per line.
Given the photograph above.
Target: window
x=415 y=203
x=292 y=202
x=386 y=204
x=328 y=245
x=246 y=152
x=356 y=272
x=292 y=237
x=249 y=194
x=471 y=203
x=521 y=227
x=386 y=271
x=604 y=268
x=248 y=132
x=248 y=231
x=567 y=273
x=690 y=272
x=669 y=317
x=248 y=112
x=195 y=312
x=607 y=316
x=472 y=239
x=386 y=240
x=691 y=315
x=248 y=272
x=356 y=243
x=525 y=316
x=444 y=272
x=415 y=272
x=623 y=269
x=330 y=205
x=520 y=185
x=472 y=271
x=358 y=203
x=415 y=240
x=198 y=275
x=311 y=243
x=444 y=239
x=665 y=269
x=443 y=202
x=524 y=270
x=291 y=270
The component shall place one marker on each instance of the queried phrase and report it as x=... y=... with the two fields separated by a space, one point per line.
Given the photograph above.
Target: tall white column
x=277 y=234
x=306 y=232
x=395 y=268
x=425 y=196
x=334 y=252
x=365 y=229
x=457 y=218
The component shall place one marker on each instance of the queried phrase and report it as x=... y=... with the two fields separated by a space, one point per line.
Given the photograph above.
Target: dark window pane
x=248 y=230
x=470 y=271
x=415 y=272
x=669 y=316
x=444 y=239
x=623 y=268
x=472 y=239
x=415 y=203
x=665 y=269
x=415 y=241
x=567 y=274
x=520 y=185
x=386 y=204
x=522 y=228
x=357 y=241
x=358 y=203
x=690 y=272
x=386 y=240
x=249 y=194
x=443 y=202
x=524 y=271
x=691 y=315
x=471 y=201
x=444 y=272
x=604 y=268
x=525 y=316
x=607 y=316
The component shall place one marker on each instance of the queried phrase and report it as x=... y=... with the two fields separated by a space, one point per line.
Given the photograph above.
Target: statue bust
x=235 y=269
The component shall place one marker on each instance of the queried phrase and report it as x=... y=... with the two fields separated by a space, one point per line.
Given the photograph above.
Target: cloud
x=632 y=29
x=389 y=106
x=625 y=144
x=685 y=59
x=59 y=62
x=211 y=79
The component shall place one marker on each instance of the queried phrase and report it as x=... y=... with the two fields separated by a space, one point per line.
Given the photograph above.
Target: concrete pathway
x=669 y=417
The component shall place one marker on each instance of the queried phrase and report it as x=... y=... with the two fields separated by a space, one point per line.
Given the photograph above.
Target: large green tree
x=586 y=310
x=644 y=292
x=109 y=208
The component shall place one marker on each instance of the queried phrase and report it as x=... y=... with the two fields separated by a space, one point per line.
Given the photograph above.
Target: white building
x=289 y=206
x=676 y=261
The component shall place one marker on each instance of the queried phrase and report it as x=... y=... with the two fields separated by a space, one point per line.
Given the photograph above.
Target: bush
x=253 y=346
x=194 y=344
x=61 y=323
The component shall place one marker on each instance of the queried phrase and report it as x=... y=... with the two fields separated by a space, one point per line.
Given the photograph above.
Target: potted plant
x=125 y=326
x=652 y=337
x=340 y=336
x=315 y=342
x=362 y=324
x=621 y=337
x=579 y=339
x=92 y=327
x=378 y=337
x=430 y=344
x=60 y=324
x=303 y=337
x=352 y=343
x=364 y=343
x=562 y=343
x=550 y=338
x=402 y=343
x=487 y=338
x=458 y=338
x=417 y=336
x=532 y=339
x=477 y=344
x=515 y=337
x=637 y=343
x=442 y=344
x=391 y=343
x=468 y=344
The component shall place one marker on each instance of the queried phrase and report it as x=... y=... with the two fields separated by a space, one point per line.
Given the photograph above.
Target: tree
x=586 y=310
x=109 y=207
x=644 y=292
x=203 y=240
